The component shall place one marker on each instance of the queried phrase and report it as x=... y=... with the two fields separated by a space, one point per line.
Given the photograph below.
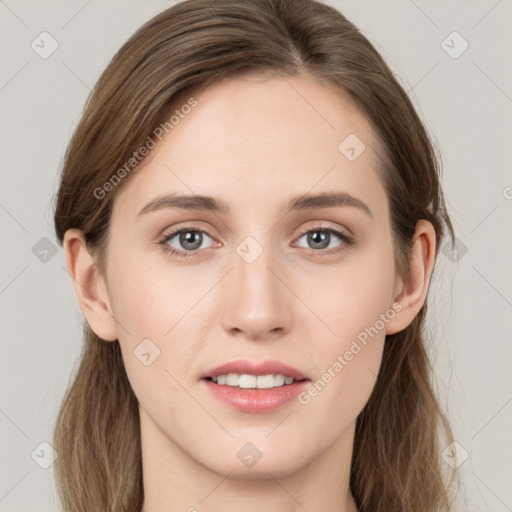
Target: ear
x=90 y=286
x=411 y=292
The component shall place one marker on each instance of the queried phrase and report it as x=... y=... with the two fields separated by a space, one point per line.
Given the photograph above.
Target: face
x=312 y=288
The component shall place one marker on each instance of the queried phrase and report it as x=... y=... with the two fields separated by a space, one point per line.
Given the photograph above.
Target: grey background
x=466 y=103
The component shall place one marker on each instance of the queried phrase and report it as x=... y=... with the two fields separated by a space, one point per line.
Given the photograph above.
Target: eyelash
x=346 y=239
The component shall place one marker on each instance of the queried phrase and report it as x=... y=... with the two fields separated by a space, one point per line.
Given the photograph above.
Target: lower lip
x=256 y=400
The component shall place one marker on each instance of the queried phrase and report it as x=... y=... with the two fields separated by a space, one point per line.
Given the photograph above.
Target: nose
x=257 y=302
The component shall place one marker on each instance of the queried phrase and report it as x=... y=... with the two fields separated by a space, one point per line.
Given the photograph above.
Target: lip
x=255 y=400
x=255 y=368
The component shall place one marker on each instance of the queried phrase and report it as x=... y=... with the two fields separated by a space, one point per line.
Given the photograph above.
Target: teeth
x=232 y=379
x=247 y=381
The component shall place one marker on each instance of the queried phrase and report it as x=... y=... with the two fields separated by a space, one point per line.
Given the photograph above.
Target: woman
x=251 y=212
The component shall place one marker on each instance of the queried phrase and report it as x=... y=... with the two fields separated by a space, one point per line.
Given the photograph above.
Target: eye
x=190 y=238
x=320 y=238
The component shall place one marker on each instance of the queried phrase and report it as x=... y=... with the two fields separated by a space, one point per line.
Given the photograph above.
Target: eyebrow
x=217 y=205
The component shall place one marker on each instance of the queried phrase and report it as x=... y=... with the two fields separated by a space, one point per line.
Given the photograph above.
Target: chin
x=265 y=464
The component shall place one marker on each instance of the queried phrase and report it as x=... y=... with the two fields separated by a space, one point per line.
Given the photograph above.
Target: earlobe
x=413 y=289
x=89 y=285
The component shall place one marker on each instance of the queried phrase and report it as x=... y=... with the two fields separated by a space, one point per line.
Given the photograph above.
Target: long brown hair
x=402 y=430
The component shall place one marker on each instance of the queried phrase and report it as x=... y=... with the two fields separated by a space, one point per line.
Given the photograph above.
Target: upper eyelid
x=319 y=225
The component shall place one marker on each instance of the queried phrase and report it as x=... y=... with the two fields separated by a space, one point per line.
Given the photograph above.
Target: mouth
x=244 y=373
x=255 y=387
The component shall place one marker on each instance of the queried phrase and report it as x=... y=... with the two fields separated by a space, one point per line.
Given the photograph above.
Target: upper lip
x=244 y=366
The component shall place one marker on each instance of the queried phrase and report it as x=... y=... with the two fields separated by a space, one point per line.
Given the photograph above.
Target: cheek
x=351 y=296
x=157 y=326
x=354 y=303
x=146 y=298
x=155 y=345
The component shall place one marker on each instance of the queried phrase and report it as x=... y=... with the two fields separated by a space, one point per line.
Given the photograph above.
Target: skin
x=254 y=143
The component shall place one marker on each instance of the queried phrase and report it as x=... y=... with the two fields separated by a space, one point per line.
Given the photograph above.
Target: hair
x=396 y=462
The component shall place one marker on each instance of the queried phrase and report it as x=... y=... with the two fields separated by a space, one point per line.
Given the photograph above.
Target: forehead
x=258 y=139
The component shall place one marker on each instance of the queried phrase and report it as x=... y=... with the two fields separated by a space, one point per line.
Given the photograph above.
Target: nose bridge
x=256 y=301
